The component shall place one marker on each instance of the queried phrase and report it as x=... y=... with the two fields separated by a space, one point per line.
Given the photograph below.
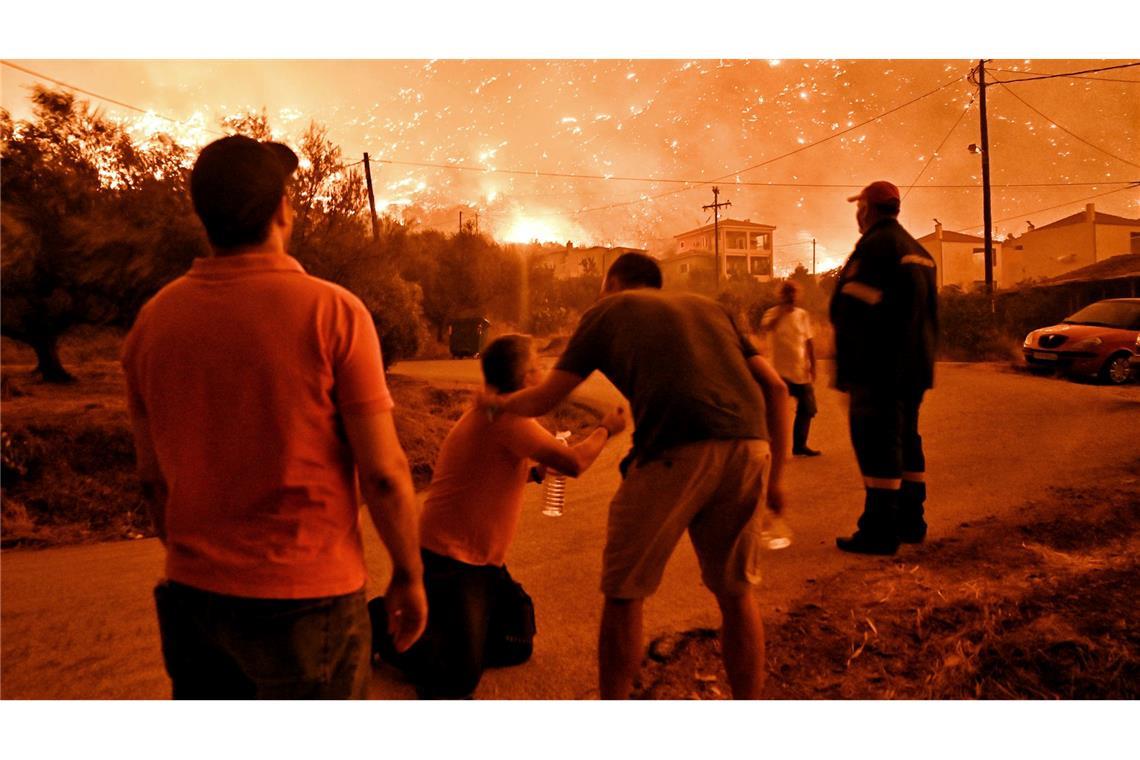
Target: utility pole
x=461 y=221
x=476 y=222
x=813 y=257
x=371 y=198
x=716 y=206
x=987 y=216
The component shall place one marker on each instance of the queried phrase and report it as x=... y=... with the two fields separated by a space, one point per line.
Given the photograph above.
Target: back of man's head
x=504 y=362
x=633 y=270
x=888 y=208
x=237 y=184
x=880 y=198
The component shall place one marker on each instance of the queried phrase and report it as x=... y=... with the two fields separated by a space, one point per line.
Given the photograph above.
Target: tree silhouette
x=93 y=224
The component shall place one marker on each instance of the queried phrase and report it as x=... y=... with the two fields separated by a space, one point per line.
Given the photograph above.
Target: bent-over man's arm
x=529 y=440
x=779 y=426
x=386 y=484
x=539 y=399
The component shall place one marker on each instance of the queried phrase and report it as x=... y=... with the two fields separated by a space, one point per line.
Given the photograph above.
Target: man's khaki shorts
x=714 y=489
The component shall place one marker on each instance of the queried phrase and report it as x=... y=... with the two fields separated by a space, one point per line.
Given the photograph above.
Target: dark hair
x=503 y=361
x=635 y=270
x=791 y=285
x=887 y=208
x=237 y=184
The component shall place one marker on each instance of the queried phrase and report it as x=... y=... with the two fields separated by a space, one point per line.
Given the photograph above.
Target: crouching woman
x=478 y=616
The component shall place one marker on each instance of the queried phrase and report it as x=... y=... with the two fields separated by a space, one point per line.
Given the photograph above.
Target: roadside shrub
x=969 y=329
x=1025 y=310
x=69 y=482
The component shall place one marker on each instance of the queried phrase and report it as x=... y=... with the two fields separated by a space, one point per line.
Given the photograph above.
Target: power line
x=842 y=132
x=768 y=161
x=532 y=173
x=696 y=183
x=811 y=185
x=934 y=155
x=1132 y=186
x=1107 y=79
x=102 y=97
x=1068 y=73
x=1075 y=76
x=1067 y=131
x=144 y=111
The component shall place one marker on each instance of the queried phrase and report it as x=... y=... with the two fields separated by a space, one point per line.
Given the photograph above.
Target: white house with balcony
x=745 y=251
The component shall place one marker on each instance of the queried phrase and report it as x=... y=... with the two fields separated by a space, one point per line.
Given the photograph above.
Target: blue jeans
x=228 y=647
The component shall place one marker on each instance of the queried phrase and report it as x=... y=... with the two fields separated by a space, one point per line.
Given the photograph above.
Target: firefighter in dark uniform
x=885 y=314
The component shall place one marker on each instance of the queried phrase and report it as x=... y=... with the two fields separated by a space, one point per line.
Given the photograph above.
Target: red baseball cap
x=876 y=193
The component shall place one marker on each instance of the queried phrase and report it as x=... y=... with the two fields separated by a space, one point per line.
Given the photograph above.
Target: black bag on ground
x=510 y=627
x=510 y=634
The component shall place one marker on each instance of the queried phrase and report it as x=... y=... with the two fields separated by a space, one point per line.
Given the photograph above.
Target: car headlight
x=1029 y=340
x=1086 y=344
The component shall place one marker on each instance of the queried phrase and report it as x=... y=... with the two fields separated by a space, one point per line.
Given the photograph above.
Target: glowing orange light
x=524 y=230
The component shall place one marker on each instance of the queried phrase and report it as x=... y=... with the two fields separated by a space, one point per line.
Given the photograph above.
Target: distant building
x=961 y=259
x=1076 y=241
x=745 y=251
x=573 y=261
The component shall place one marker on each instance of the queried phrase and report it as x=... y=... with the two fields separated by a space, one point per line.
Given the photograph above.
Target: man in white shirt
x=793 y=355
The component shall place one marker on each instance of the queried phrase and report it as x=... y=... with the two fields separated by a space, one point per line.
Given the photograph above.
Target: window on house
x=736 y=264
x=736 y=240
x=759 y=241
x=684 y=268
x=761 y=266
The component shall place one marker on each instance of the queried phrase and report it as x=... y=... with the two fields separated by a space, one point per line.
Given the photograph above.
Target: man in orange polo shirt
x=257 y=396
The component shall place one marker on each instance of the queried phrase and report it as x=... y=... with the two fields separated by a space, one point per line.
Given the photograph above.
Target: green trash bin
x=467 y=337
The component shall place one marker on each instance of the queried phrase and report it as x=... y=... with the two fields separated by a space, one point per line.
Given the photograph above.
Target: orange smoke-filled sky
x=661 y=120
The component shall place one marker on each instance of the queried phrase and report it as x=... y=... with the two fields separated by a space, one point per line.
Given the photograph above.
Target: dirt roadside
x=1040 y=605
x=68 y=466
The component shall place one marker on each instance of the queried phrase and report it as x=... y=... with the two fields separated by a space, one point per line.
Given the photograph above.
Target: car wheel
x=1117 y=369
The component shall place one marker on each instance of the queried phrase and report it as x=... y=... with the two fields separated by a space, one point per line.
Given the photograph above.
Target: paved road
x=78 y=622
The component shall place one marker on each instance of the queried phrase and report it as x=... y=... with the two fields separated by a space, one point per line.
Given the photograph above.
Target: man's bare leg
x=619 y=647
x=742 y=644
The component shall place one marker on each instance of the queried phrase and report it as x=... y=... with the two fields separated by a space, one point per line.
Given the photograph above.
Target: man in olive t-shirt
x=705 y=406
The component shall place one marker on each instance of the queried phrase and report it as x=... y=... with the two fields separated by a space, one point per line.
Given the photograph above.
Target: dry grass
x=1041 y=607
x=68 y=459
x=425 y=413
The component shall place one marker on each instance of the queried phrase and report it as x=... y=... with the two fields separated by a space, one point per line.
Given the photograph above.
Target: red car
x=1102 y=339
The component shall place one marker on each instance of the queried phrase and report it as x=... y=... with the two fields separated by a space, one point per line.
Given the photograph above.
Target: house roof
x=1100 y=218
x=949 y=236
x=728 y=223
x=1124 y=265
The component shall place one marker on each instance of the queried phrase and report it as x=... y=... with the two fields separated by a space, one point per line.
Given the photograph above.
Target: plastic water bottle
x=554 y=489
x=774 y=532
